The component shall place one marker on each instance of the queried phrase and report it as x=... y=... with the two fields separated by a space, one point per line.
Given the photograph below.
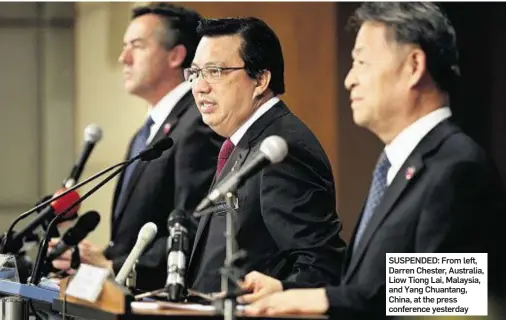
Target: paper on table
x=155 y=305
x=88 y=282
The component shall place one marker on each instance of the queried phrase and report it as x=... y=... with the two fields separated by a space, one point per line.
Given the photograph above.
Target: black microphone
x=156 y=150
x=55 y=208
x=147 y=155
x=178 y=245
x=272 y=150
x=92 y=134
x=75 y=234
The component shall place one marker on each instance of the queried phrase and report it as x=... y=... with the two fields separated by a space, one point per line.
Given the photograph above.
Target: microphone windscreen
x=83 y=226
x=274 y=148
x=176 y=216
x=88 y=221
x=62 y=204
x=164 y=144
x=157 y=149
x=147 y=232
x=92 y=133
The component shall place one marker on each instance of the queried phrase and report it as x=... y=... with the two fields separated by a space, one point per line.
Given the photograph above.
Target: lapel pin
x=166 y=128
x=410 y=172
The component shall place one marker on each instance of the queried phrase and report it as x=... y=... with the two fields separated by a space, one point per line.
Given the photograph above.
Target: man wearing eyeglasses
x=287 y=221
x=159 y=42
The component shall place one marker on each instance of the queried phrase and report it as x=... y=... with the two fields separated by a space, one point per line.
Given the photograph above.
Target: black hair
x=260 y=49
x=179 y=26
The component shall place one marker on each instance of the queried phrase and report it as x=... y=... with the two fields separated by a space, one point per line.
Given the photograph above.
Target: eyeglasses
x=210 y=74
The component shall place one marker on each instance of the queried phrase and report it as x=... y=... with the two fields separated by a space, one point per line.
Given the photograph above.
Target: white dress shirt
x=237 y=136
x=163 y=108
x=405 y=142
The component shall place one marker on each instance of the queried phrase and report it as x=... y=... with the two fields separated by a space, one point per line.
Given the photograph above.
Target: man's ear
x=263 y=80
x=176 y=56
x=416 y=65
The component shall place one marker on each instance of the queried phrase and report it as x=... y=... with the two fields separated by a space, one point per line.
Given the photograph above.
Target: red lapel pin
x=410 y=172
x=166 y=128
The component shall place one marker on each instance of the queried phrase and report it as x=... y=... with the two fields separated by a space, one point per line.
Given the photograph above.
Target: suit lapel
x=172 y=119
x=238 y=157
x=165 y=130
x=392 y=195
x=234 y=162
x=406 y=177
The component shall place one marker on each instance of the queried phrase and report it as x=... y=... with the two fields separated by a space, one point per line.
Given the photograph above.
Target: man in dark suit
x=433 y=188
x=286 y=222
x=159 y=42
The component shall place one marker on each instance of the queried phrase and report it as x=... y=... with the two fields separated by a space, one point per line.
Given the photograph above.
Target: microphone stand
x=41 y=254
x=146 y=155
x=5 y=246
x=131 y=280
x=231 y=245
x=230 y=272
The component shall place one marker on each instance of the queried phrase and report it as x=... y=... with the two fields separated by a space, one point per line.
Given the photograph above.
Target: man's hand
x=89 y=254
x=260 y=285
x=297 y=301
x=63 y=261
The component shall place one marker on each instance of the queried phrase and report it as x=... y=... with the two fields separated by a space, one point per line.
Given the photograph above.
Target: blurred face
x=145 y=61
x=377 y=80
x=225 y=101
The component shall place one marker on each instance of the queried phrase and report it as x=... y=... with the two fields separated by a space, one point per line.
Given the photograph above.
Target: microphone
x=155 y=151
x=147 y=155
x=92 y=134
x=178 y=244
x=146 y=235
x=55 y=208
x=272 y=150
x=75 y=234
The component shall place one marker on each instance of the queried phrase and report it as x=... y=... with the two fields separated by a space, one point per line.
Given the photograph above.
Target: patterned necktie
x=376 y=191
x=226 y=149
x=138 y=144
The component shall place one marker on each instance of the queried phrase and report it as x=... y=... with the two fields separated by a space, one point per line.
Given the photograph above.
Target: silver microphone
x=92 y=135
x=146 y=235
x=272 y=150
x=178 y=245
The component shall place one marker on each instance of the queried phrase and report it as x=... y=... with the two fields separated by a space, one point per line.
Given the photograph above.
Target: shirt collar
x=405 y=142
x=162 y=109
x=239 y=133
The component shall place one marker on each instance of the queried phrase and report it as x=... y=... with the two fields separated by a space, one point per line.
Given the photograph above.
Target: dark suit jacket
x=179 y=179
x=454 y=202
x=287 y=221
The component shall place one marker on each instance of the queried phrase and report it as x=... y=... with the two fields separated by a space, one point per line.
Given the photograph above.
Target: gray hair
x=419 y=23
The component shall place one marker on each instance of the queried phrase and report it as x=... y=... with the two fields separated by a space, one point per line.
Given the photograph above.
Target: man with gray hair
x=433 y=189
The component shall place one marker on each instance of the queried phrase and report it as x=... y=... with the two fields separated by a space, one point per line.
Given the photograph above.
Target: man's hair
x=179 y=26
x=260 y=49
x=419 y=23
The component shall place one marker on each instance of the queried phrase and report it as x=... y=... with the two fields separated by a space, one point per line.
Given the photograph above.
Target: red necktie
x=226 y=149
